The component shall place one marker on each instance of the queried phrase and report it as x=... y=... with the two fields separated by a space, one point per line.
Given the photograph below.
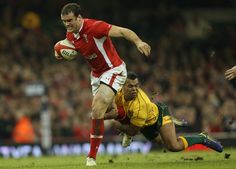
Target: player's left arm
x=130 y=35
x=129 y=129
x=230 y=73
x=58 y=57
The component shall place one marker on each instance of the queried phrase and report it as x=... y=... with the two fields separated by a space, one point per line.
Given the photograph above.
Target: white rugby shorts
x=115 y=78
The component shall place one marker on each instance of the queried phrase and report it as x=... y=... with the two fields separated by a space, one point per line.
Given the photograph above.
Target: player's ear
x=79 y=18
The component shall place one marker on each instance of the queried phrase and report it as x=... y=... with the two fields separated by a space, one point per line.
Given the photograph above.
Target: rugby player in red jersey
x=91 y=39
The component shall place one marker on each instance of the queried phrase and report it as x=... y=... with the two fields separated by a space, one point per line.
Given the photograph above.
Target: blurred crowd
x=186 y=69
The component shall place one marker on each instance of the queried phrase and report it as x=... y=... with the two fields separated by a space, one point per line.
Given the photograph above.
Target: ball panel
x=67 y=43
x=65 y=49
x=68 y=53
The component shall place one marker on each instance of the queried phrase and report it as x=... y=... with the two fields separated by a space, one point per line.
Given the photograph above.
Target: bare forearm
x=131 y=36
x=126 y=129
x=112 y=114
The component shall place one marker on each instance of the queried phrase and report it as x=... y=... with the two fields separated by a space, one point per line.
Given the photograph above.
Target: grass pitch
x=153 y=160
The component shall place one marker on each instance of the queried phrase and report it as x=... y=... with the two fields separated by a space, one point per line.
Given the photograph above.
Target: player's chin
x=133 y=95
x=69 y=29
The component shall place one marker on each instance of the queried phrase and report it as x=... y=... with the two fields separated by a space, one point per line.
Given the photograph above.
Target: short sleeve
x=101 y=28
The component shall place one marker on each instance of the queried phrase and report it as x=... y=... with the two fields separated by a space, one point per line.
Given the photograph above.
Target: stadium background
x=193 y=43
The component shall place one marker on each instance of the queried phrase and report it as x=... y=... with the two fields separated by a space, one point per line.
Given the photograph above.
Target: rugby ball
x=64 y=49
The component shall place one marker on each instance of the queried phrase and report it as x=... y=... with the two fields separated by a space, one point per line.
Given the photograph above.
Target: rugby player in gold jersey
x=137 y=113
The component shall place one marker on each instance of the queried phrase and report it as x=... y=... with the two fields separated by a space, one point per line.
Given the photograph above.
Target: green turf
x=157 y=160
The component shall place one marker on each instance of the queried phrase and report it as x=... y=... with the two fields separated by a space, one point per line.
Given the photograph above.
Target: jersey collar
x=77 y=35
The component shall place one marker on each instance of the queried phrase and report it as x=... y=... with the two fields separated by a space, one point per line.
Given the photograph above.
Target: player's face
x=131 y=89
x=71 y=22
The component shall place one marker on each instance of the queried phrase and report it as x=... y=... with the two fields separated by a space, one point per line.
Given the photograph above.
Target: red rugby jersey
x=94 y=44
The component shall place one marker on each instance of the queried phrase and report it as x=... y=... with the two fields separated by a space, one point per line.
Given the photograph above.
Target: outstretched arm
x=117 y=113
x=130 y=35
x=230 y=73
x=129 y=129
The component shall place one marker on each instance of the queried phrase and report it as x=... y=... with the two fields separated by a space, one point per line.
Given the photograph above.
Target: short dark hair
x=71 y=7
x=132 y=75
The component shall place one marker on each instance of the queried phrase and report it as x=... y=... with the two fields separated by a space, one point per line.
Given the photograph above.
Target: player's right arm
x=58 y=57
x=129 y=129
x=117 y=31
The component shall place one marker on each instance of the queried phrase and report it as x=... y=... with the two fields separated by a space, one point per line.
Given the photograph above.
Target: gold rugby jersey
x=141 y=111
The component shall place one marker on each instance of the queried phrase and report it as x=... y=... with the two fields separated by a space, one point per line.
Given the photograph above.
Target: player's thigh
x=168 y=134
x=167 y=129
x=104 y=96
x=102 y=99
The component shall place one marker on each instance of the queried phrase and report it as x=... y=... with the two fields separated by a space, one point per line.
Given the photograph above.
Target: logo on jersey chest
x=77 y=36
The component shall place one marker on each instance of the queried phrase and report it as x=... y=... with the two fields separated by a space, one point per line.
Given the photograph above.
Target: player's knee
x=97 y=115
x=97 y=111
x=172 y=146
